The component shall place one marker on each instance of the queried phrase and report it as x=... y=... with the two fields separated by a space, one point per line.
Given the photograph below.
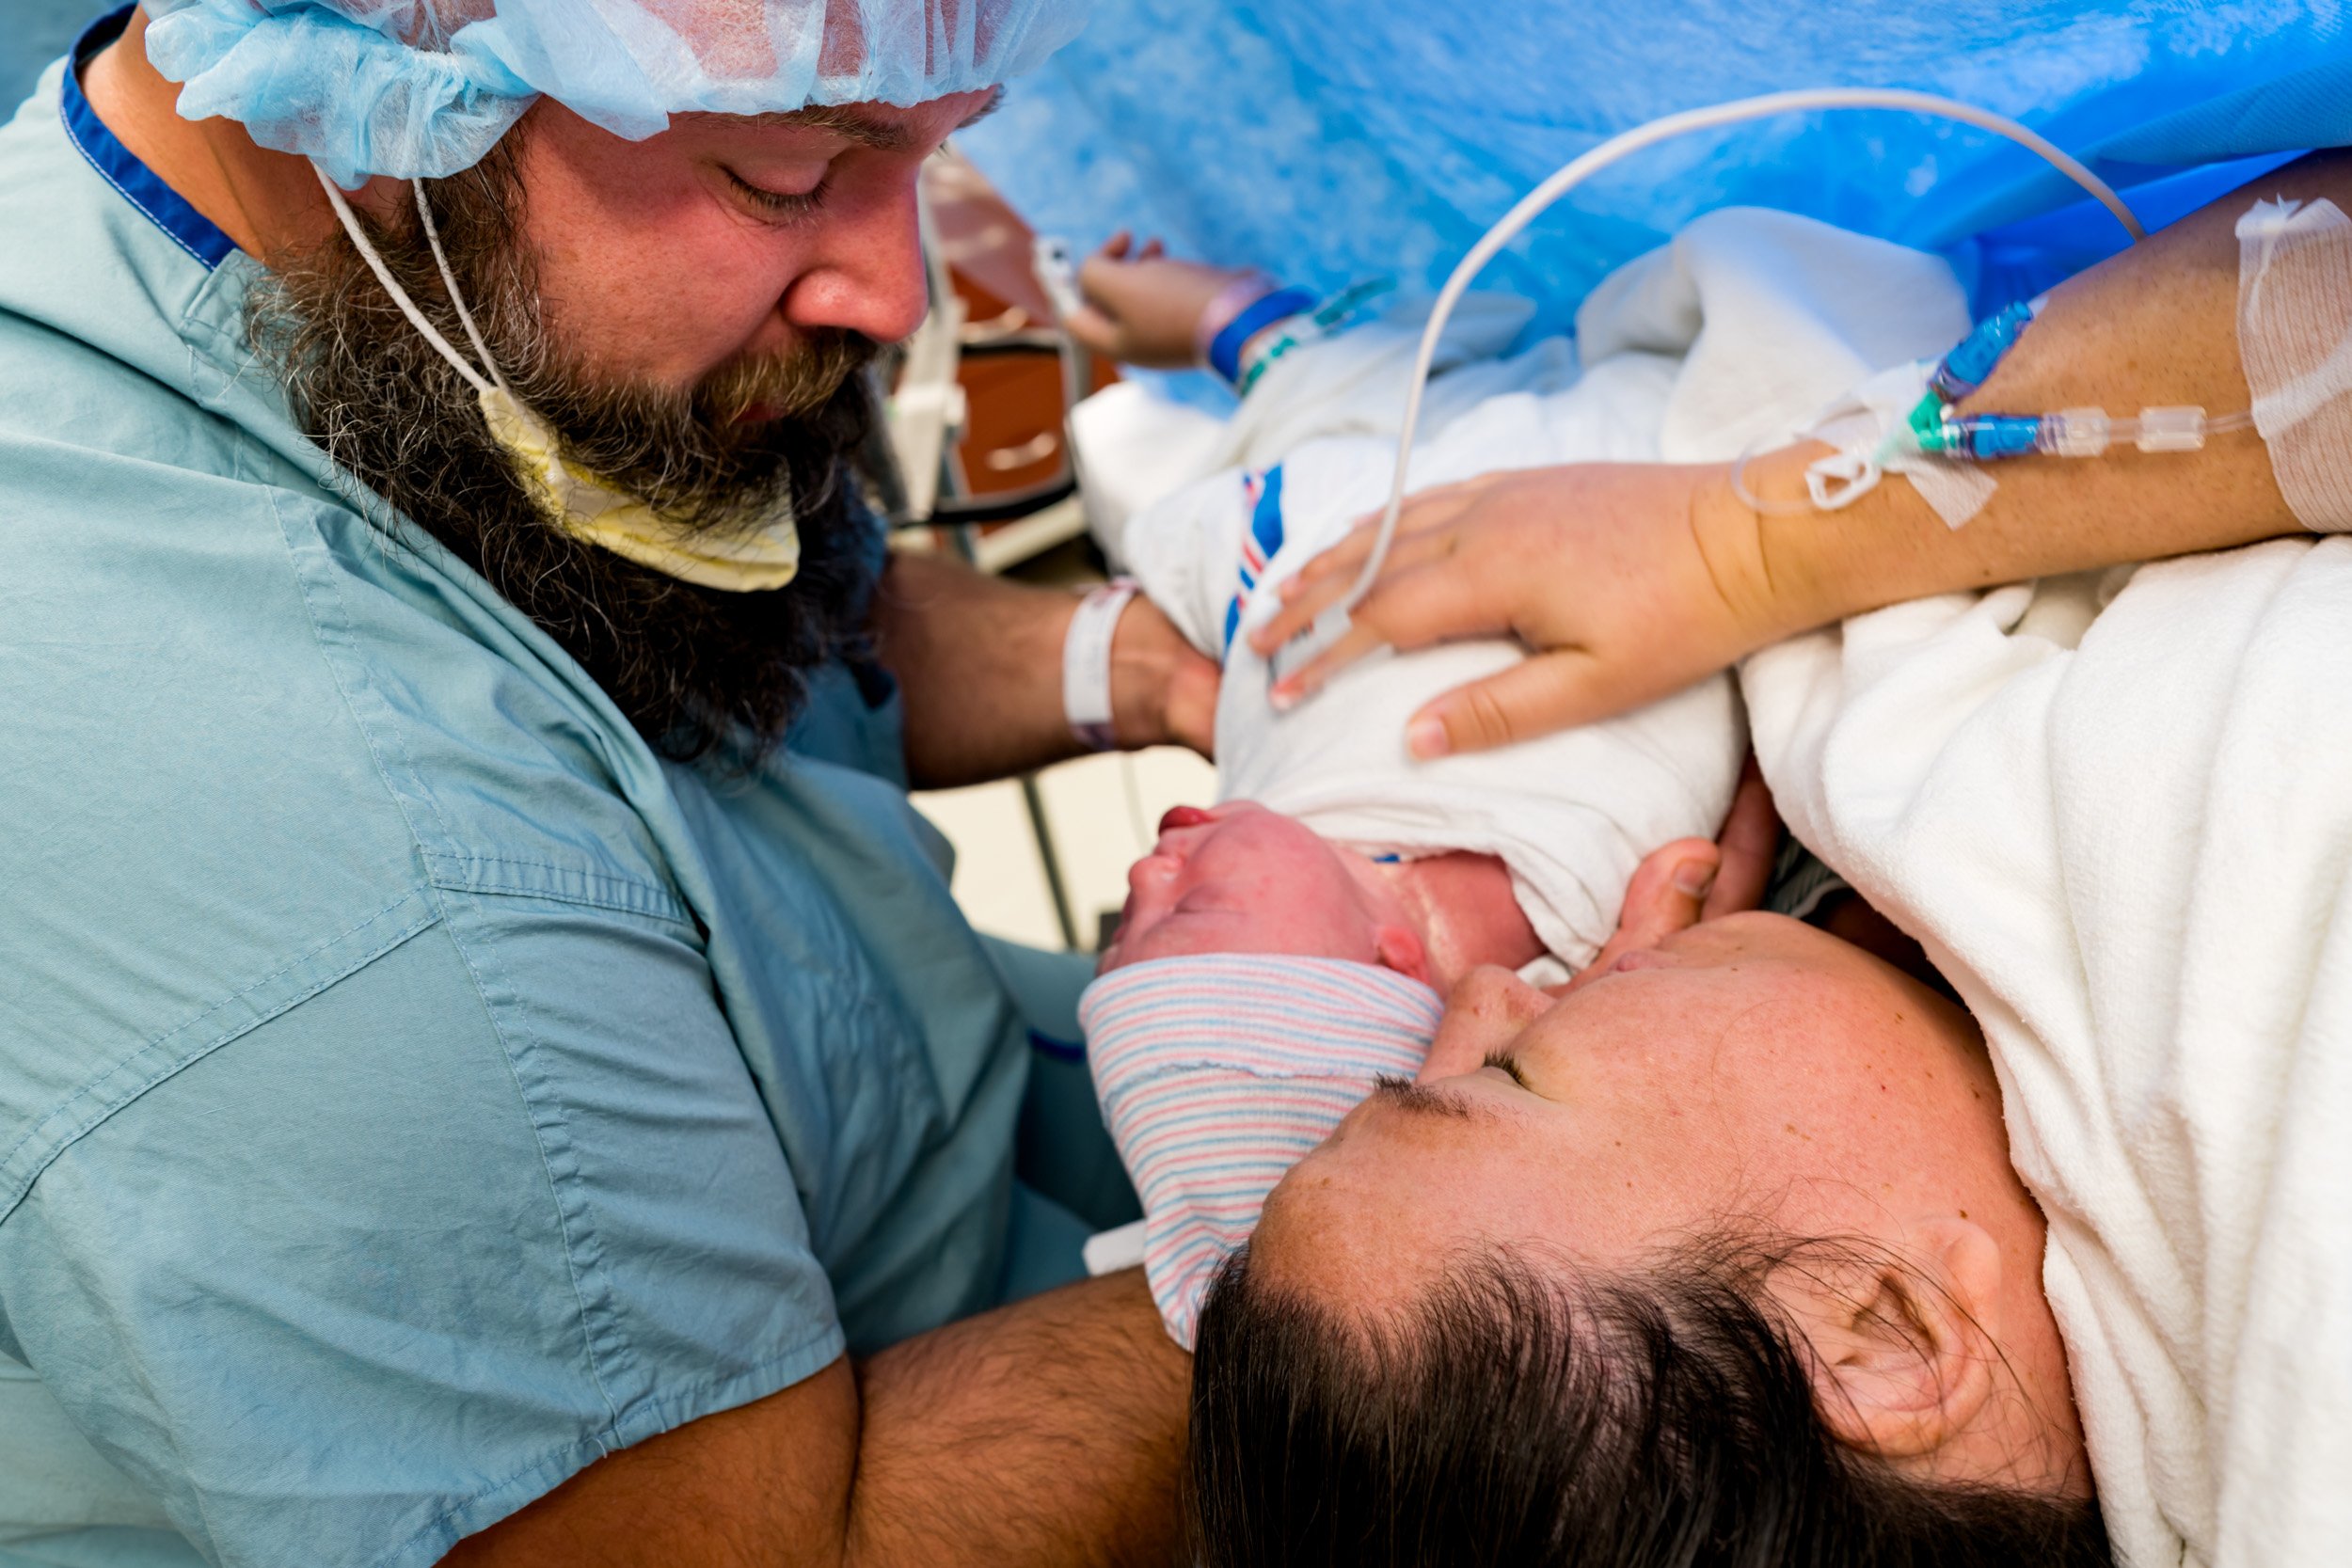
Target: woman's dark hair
x=1505 y=1419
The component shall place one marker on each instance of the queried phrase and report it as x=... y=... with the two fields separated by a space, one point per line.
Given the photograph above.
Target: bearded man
x=487 y=1039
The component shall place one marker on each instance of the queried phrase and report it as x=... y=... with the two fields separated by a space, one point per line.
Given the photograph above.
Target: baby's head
x=1240 y=879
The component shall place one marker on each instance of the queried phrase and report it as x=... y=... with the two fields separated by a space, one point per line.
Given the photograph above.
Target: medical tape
x=1865 y=426
x=2294 y=340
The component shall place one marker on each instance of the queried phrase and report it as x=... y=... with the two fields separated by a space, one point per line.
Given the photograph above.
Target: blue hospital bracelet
x=1225 y=351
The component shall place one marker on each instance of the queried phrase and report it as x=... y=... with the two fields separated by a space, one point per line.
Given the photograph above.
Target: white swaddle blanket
x=2130 y=857
x=1743 y=329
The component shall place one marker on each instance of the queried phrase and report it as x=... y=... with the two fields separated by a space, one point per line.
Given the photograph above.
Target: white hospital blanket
x=2130 y=859
x=1741 y=330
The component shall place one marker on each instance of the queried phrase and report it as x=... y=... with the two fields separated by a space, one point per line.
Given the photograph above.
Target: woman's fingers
x=1093 y=331
x=1422 y=537
x=1751 y=844
x=1310 y=591
x=1414 y=604
x=1361 y=637
x=1543 y=692
x=1667 y=894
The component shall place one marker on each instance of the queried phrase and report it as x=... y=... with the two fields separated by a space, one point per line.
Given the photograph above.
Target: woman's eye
x=780 y=203
x=1504 y=1062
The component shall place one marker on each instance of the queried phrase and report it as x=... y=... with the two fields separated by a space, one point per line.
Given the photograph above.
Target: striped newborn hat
x=1218 y=1072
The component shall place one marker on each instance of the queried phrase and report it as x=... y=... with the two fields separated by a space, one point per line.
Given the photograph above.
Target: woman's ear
x=1399 y=948
x=1902 y=1344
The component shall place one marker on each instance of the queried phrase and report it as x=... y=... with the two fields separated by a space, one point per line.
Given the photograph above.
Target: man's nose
x=1488 y=1009
x=869 y=273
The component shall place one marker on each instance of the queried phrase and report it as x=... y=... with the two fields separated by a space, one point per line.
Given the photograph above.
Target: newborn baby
x=1282 y=949
x=1241 y=878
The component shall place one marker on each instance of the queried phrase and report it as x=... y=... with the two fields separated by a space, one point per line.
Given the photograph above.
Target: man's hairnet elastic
x=424 y=87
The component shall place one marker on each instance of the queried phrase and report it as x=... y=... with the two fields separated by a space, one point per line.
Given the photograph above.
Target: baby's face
x=1240 y=879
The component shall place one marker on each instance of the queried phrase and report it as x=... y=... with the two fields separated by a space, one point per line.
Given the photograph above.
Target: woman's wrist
x=1777 y=574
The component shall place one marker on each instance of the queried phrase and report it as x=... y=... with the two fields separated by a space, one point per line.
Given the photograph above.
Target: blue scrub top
x=411 y=1086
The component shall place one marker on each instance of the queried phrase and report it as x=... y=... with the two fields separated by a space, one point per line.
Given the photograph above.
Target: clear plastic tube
x=2072 y=432
x=1329 y=626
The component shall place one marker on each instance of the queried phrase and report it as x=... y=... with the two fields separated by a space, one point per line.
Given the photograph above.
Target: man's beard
x=694 y=668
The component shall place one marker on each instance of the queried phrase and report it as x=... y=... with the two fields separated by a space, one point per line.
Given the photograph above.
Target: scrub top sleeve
x=384 y=1269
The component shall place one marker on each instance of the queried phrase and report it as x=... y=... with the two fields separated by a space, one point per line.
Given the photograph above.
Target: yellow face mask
x=741 y=562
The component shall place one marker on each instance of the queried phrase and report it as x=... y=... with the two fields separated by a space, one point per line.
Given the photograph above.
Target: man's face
x=727 y=238
x=689 y=314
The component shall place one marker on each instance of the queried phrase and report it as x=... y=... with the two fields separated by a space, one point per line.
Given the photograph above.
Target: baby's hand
x=1144 y=306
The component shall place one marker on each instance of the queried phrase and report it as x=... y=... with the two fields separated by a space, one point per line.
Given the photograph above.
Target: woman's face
x=1748 y=1071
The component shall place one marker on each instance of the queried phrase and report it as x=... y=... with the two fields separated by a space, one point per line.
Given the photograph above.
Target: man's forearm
x=979 y=664
x=1050 y=1432
x=2155 y=326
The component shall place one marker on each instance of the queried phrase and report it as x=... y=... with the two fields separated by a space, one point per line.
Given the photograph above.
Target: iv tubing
x=1327 y=625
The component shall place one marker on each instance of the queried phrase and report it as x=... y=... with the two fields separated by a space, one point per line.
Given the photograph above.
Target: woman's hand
x=1143 y=307
x=1627 y=582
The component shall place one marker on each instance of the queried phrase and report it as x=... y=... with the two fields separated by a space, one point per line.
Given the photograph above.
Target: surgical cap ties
x=737 y=561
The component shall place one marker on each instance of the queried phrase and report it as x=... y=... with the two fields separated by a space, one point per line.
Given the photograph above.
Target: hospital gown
x=411 y=1086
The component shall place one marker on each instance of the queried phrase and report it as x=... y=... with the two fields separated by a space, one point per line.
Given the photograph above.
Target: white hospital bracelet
x=1086 y=664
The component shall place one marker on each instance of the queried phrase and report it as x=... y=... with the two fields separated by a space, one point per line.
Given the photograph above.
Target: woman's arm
x=2155 y=325
x=1633 y=582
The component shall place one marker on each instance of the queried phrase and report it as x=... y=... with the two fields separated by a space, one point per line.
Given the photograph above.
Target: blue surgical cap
x=422 y=88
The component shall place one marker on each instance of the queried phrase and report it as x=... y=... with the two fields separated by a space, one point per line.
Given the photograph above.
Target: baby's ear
x=1399 y=948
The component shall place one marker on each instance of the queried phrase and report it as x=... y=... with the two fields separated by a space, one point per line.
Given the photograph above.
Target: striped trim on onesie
x=1216 y=1073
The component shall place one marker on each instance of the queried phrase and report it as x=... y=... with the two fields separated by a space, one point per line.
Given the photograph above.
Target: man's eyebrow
x=995 y=102
x=844 y=121
x=1422 y=1100
x=848 y=124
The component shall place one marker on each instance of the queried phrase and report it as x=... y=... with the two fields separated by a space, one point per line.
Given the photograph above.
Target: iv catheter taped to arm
x=1943 y=450
x=2294 y=338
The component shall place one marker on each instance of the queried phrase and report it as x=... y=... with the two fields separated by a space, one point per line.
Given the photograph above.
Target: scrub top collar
x=116 y=164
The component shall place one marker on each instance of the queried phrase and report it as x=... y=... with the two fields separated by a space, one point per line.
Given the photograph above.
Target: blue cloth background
x=1326 y=142
x=35 y=33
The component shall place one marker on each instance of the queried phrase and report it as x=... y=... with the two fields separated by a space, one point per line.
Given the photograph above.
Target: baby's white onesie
x=1738 y=332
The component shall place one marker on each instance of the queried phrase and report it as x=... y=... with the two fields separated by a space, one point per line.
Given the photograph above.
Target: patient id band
x=1225 y=351
x=1086 y=664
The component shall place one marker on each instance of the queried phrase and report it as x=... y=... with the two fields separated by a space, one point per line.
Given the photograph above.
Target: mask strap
x=400 y=296
x=449 y=281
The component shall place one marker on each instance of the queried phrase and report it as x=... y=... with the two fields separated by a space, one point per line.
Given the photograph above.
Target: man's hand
x=1624 y=579
x=1163 y=689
